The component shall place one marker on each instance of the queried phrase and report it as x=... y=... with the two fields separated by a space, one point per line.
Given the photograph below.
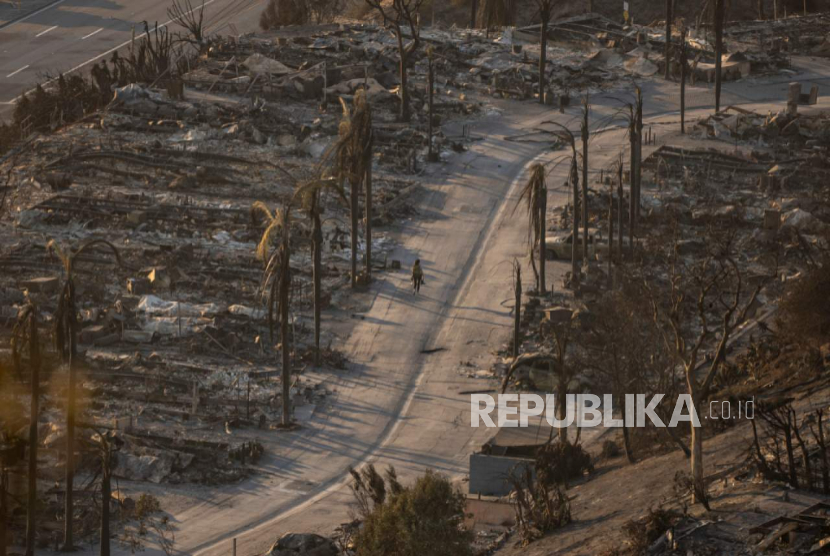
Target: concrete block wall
x=488 y=474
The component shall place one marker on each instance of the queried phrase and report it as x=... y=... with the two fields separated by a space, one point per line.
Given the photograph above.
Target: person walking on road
x=417 y=276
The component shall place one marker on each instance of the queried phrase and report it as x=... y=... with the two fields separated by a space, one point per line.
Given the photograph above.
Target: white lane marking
x=18 y=71
x=111 y=50
x=47 y=30
x=92 y=33
x=43 y=9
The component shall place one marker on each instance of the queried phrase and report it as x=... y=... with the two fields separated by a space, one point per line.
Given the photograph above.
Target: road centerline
x=18 y=71
x=47 y=30
x=92 y=33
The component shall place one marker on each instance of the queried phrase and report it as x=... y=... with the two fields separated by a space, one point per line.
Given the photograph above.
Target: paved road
x=401 y=406
x=73 y=34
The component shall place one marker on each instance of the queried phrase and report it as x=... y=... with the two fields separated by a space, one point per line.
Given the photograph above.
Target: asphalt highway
x=71 y=35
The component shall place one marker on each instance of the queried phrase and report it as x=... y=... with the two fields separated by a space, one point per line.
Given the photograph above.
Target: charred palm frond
x=275 y=222
x=276 y=279
x=534 y=195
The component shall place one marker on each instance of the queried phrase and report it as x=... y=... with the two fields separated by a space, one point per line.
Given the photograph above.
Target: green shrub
x=421 y=519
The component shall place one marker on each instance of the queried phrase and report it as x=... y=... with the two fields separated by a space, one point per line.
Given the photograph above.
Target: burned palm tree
x=352 y=160
x=535 y=196
x=565 y=135
x=66 y=339
x=308 y=197
x=25 y=338
x=276 y=287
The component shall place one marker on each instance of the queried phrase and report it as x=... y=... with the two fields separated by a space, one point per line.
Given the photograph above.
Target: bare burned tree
x=704 y=292
x=398 y=15
x=556 y=338
x=191 y=19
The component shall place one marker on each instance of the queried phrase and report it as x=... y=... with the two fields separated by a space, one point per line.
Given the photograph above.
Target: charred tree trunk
x=543 y=54
x=543 y=256
x=610 y=232
x=106 y=497
x=285 y=286
x=355 y=217
x=4 y=511
x=403 y=75
x=632 y=182
x=629 y=450
x=34 y=363
x=818 y=436
x=585 y=134
x=788 y=441
x=368 y=207
x=69 y=498
x=718 y=51
x=761 y=15
x=317 y=277
x=669 y=17
x=698 y=482
x=620 y=211
x=517 y=317
x=683 y=63
x=575 y=235
x=473 y=14
x=639 y=154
